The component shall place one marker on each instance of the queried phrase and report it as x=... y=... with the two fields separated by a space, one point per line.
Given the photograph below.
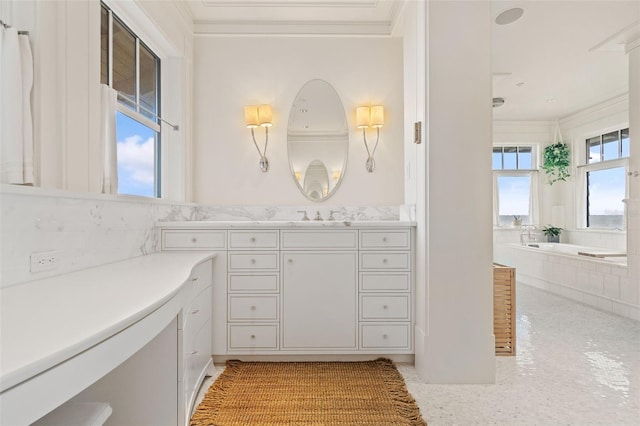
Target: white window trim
x=534 y=193
x=581 y=189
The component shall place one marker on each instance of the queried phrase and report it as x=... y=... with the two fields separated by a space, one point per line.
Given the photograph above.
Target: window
x=605 y=180
x=131 y=68
x=515 y=184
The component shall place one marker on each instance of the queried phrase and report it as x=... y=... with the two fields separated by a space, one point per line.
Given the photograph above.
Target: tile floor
x=574 y=366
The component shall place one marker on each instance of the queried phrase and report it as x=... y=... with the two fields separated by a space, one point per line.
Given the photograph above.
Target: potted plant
x=556 y=161
x=552 y=233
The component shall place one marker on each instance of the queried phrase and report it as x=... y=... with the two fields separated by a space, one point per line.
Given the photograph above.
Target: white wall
x=460 y=345
x=231 y=72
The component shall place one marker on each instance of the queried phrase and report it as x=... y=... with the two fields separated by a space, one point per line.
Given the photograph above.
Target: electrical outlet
x=44 y=261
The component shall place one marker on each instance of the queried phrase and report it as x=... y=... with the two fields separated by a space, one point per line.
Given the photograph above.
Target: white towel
x=16 y=125
x=108 y=142
x=11 y=126
x=27 y=122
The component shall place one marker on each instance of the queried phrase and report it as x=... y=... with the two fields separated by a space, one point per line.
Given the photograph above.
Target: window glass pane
x=605 y=192
x=136 y=157
x=593 y=150
x=524 y=157
x=148 y=82
x=497 y=158
x=513 y=196
x=104 y=46
x=610 y=146
x=510 y=154
x=625 y=142
x=124 y=62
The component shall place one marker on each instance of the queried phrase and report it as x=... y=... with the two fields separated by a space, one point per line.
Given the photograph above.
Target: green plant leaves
x=556 y=162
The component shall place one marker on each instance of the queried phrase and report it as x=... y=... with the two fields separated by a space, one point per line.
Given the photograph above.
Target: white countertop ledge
x=48 y=321
x=200 y=224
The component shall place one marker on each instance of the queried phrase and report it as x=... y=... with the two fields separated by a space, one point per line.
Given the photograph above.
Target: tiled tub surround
x=600 y=283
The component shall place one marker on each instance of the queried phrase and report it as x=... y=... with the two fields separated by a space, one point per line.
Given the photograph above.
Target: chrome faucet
x=318 y=217
x=304 y=217
x=331 y=212
x=526 y=230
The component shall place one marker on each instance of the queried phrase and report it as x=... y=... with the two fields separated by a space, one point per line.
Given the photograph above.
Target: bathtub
x=602 y=281
x=583 y=252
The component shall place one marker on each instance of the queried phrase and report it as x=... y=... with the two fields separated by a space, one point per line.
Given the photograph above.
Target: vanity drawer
x=248 y=337
x=253 y=240
x=390 y=240
x=254 y=283
x=376 y=281
x=322 y=239
x=385 y=307
x=385 y=336
x=197 y=312
x=189 y=240
x=253 y=308
x=385 y=261
x=201 y=277
x=254 y=260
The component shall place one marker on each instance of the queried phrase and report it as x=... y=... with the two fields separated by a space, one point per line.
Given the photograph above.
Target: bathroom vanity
x=306 y=288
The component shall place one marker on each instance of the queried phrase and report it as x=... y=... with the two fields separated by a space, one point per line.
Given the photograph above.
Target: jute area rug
x=370 y=393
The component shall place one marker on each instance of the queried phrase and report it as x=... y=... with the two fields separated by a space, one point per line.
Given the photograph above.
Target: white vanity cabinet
x=319 y=290
x=307 y=289
x=196 y=334
x=253 y=297
x=385 y=290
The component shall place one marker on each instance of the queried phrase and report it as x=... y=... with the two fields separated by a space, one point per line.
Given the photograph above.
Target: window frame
x=582 y=194
x=534 y=188
x=123 y=104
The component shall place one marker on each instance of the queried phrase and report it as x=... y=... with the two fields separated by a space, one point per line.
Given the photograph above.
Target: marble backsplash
x=284 y=213
x=87 y=230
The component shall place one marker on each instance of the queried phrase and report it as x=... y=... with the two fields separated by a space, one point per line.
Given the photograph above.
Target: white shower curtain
x=16 y=131
x=108 y=99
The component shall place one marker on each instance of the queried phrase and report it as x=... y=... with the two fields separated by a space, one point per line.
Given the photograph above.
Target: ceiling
x=560 y=57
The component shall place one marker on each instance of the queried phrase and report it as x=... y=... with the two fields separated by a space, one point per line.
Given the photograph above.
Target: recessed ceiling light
x=552 y=100
x=520 y=84
x=509 y=16
x=497 y=102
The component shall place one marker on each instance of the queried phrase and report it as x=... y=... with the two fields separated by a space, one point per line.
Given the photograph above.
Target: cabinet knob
x=384 y=336
x=384 y=307
x=384 y=239
x=195 y=312
x=253 y=336
x=384 y=260
x=290 y=260
x=253 y=261
x=194 y=240
x=253 y=308
x=194 y=279
x=252 y=239
x=194 y=352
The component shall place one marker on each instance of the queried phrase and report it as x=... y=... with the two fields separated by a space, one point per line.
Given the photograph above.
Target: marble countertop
x=48 y=321
x=286 y=224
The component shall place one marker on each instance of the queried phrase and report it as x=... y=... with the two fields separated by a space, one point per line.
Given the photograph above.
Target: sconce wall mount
x=370 y=117
x=259 y=116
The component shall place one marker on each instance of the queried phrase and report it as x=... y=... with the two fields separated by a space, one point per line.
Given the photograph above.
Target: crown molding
x=353 y=28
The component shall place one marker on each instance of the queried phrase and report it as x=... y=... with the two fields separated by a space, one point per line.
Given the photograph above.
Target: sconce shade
x=362 y=117
x=265 y=115
x=377 y=116
x=251 y=116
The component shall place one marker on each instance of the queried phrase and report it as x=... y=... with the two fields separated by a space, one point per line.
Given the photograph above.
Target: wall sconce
x=255 y=116
x=370 y=117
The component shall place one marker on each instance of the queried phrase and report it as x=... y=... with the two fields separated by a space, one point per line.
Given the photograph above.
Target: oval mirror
x=317 y=140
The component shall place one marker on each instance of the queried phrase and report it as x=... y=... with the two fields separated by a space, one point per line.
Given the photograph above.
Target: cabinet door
x=319 y=300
